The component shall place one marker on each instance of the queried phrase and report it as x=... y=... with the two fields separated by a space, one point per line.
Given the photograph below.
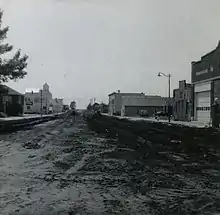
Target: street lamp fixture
x=161 y=73
x=168 y=76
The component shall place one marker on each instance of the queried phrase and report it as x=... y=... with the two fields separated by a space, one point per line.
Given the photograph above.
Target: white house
x=37 y=101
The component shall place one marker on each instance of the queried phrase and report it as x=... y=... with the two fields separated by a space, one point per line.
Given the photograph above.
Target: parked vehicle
x=161 y=113
x=50 y=110
x=143 y=113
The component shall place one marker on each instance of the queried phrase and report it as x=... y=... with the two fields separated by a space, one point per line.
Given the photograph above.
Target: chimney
x=182 y=84
x=193 y=65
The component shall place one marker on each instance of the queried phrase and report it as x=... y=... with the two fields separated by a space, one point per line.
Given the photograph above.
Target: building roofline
x=211 y=52
x=205 y=55
x=11 y=91
x=111 y=94
x=140 y=105
x=124 y=94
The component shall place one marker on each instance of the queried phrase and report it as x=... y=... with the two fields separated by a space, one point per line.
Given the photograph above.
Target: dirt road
x=56 y=168
x=62 y=167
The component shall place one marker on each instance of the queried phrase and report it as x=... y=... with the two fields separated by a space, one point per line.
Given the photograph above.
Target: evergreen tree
x=73 y=105
x=12 y=68
x=89 y=107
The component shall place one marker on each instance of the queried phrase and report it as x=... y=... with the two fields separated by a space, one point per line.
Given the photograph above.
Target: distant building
x=104 y=108
x=96 y=107
x=115 y=101
x=206 y=84
x=182 y=102
x=66 y=107
x=57 y=105
x=11 y=101
x=37 y=102
x=147 y=105
x=135 y=104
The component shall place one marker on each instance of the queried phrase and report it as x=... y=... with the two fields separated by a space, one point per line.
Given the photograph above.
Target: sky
x=89 y=48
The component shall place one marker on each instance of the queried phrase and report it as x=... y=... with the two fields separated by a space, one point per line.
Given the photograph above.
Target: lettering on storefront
x=211 y=69
x=202 y=72
x=28 y=101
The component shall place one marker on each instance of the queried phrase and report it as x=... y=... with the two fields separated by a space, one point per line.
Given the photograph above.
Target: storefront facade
x=206 y=85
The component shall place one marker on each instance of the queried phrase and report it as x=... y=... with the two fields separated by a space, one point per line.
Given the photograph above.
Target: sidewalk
x=36 y=116
x=181 y=123
x=11 y=124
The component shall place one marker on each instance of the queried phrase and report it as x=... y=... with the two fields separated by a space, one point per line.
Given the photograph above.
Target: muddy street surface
x=62 y=167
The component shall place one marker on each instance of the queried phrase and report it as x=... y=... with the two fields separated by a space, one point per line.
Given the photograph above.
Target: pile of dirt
x=174 y=167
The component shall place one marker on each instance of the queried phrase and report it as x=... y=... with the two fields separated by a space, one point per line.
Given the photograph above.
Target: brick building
x=133 y=104
x=182 y=101
x=116 y=100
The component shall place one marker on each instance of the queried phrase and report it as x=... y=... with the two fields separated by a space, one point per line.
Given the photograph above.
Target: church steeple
x=46 y=87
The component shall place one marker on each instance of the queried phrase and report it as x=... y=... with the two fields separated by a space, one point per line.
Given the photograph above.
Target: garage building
x=147 y=105
x=206 y=85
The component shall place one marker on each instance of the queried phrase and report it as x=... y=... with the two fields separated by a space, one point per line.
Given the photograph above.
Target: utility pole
x=57 y=105
x=41 y=102
x=169 y=105
x=5 y=103
x=46 y=106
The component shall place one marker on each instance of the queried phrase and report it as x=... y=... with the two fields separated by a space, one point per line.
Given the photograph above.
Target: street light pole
x=41 y=102
x=46 y=106
x=169 y=106
x=169 y=77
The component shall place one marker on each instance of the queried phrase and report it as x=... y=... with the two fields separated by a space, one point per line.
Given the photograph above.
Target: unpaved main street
x=62 y=167
x=46 y=170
